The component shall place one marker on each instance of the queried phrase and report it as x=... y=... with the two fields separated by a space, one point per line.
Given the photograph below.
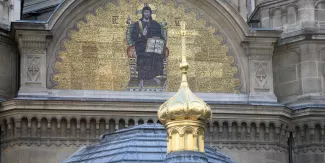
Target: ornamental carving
x=33 y=68
x=261 y=74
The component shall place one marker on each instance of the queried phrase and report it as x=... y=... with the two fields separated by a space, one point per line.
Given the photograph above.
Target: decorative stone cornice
x=259 y=48
x=233 y=127
x=33 y=42
x=314 y=148
x=271 y=146
x=37 y=142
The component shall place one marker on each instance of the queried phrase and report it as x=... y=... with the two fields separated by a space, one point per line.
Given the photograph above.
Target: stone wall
x=255 y=130
x=298 y=61
x=8 y=66
x=9 y=12
x=290 y=15
x=309 y=136
x=299 y=73
x=265 y=140
x=55 y=129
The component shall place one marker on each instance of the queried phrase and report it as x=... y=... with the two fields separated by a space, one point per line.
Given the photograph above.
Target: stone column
x=307 y=14
x=265 y=18
x=32 y=47
x=9 y=11
x=259 y=50
x=2 y=4
x=243 y=9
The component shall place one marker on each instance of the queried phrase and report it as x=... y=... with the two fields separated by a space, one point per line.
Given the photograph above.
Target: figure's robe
x=149 y=65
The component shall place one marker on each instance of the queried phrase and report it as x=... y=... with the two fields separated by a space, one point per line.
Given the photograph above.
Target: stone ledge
x=312 y=100
x=93 y=95
x=314 y=147
x=37 y=141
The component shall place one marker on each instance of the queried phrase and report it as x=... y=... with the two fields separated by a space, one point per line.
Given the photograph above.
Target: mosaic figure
x=149 y=46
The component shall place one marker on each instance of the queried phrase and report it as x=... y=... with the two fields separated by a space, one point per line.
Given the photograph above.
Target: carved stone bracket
x=32 y=47
x=259 y=52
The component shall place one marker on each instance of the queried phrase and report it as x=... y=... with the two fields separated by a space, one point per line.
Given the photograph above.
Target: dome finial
x=184 y=64
x=184 y=115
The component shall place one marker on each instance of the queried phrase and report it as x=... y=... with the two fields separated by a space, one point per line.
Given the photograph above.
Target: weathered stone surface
x=60 y=133
x=9 y=12
x=311 y=85
x=287 y=74
x=288 y=89
x=45 y=124
x=308 y=157
x=8 y=67
x=304 y=77
x=308 y=69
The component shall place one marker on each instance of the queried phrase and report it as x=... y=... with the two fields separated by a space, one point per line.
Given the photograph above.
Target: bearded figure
x=150 y=63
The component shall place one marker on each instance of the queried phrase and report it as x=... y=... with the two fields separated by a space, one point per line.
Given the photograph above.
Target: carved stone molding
x=315 y=148
x=37 y=142
x=33 y=46
x=260 y=57
x=234 y=127
x=259 y=52
x=33 y=51
x=33 y=68
x=33 y=43
x=250 y=146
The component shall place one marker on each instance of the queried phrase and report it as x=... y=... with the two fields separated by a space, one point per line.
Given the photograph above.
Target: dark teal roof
x=137 y=144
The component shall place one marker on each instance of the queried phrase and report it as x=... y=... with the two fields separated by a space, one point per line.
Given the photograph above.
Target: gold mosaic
x=95 y=57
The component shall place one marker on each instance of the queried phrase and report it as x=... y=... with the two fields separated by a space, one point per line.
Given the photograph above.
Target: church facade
x=69 y=72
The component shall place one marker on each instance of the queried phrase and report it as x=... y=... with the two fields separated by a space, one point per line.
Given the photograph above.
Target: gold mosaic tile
x=95 y=56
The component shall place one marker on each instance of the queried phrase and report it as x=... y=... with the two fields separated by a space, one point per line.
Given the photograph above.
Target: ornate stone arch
x=229 y=23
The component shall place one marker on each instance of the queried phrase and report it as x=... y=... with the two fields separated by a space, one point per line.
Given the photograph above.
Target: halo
x=153 y=9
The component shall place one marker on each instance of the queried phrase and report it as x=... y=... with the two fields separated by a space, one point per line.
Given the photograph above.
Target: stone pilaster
x=307 y=14
x=259 y=51
x=265 y=18
x=32 y=47
x=8 y=66
x=9 y=11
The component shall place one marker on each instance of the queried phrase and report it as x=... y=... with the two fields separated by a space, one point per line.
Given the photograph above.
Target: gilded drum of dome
x=94 y=56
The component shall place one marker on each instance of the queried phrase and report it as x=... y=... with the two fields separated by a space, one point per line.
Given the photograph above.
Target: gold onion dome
x=184 y=115
x=184 y=105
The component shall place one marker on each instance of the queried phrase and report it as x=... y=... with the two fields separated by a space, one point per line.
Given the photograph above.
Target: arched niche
x=224 y=25
x=277 y=18
x=292 y=17
x=320 y=11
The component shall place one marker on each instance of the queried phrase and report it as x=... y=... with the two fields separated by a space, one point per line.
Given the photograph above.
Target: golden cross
x=183 y=34
x=184 y=64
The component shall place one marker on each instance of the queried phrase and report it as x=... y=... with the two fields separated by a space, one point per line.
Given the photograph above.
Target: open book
x=155 y=45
